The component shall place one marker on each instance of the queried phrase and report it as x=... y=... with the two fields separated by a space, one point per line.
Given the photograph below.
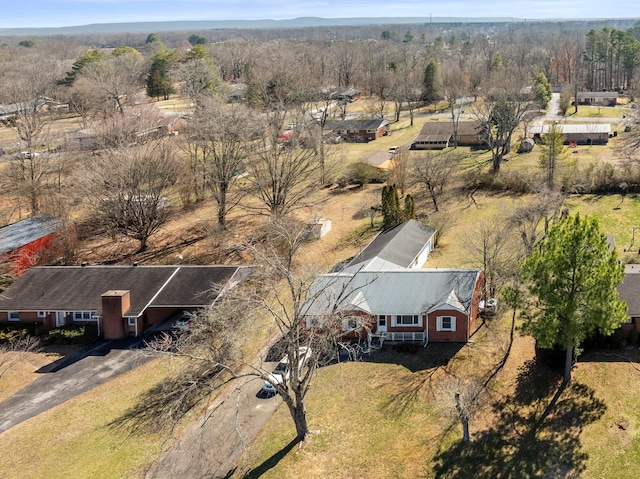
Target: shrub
x=83 y=334
x=12 y=332
x=363 y=173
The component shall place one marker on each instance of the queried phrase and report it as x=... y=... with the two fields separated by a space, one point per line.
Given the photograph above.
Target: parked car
x=282 y=371
x=393 y=149
x=184 y=322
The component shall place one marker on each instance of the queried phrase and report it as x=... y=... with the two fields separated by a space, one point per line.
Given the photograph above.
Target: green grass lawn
x=587 y=111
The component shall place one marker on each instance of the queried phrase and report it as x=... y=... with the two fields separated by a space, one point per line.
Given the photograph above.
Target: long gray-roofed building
x=122 y=300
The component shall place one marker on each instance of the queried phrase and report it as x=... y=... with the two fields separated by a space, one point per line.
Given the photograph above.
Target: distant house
x=11 y=111
x=437 y=135
x=121 y=300
x=359 y=130
x=578 y=133
x=629 y=291
x=406 y=245
x=341 y=94
x=598 y=98
x=417 y=305
x=168 y=124
x=34 y=241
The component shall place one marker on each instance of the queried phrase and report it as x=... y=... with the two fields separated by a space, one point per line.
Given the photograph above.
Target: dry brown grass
x=22 y=371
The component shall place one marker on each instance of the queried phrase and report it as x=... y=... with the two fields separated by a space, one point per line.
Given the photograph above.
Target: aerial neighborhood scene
x=349 y=240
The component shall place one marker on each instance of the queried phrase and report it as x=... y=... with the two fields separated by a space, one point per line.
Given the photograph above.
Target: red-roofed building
x=36 y=240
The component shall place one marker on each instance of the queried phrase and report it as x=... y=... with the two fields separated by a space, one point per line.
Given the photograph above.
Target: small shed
x=318 y=229
x=526 y=145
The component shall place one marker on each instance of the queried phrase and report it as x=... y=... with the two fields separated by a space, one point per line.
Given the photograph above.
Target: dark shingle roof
x=78 y=288
x=629 y=289
x=23 y=232
x=399 y=245
x=441 y=130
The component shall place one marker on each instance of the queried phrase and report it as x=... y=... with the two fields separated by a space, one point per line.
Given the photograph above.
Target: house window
x=445 y=323
x=132 y=321
x=407 y=320
x=43 y=314
x=382 y=320
x=13 y=316
x=349 y=323
x=82 y=316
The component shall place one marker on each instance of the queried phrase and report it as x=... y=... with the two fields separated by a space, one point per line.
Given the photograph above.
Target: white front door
x=60 y=315
x=382 y=323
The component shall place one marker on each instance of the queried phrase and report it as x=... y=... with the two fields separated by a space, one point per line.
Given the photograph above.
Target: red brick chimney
x=114 y=304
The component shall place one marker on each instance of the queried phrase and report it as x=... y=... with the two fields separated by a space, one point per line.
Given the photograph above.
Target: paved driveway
x=80 y=374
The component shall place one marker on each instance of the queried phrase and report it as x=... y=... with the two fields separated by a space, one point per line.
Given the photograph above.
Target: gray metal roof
x=571 y=128
x=23 y=232
x=391 y=292
x=80 y=288
x=399 y=245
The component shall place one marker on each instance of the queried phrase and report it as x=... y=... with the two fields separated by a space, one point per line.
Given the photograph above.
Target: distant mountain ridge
x=149 y=27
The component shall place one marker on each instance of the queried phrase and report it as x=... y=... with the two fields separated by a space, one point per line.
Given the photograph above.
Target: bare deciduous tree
x=15 y=350
x=490 y=246
x=527 y=218
x=433 y=171
x=127 y=188
x=214 y=346
x=115 y=80
x=501 y=113
x=218 y=139
x=282 y=174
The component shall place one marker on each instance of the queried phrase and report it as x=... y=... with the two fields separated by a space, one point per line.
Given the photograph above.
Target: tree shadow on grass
x=271 y=462
x=537 y=432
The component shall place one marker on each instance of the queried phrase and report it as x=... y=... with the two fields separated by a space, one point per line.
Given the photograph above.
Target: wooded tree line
x=287 y=83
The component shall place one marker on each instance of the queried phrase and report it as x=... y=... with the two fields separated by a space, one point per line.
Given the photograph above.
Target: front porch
x=376 y=340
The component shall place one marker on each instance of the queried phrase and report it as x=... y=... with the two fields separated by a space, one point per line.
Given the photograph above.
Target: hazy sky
x=54 y=13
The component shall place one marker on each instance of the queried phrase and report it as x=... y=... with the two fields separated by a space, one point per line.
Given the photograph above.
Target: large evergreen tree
x=572 y=277
x=432 y=83
x=542 y=90
x=159 y=82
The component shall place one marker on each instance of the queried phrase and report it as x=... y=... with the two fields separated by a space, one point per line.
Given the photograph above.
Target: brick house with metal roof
x=384 y=292
x=120 y=300
x=417 y=305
